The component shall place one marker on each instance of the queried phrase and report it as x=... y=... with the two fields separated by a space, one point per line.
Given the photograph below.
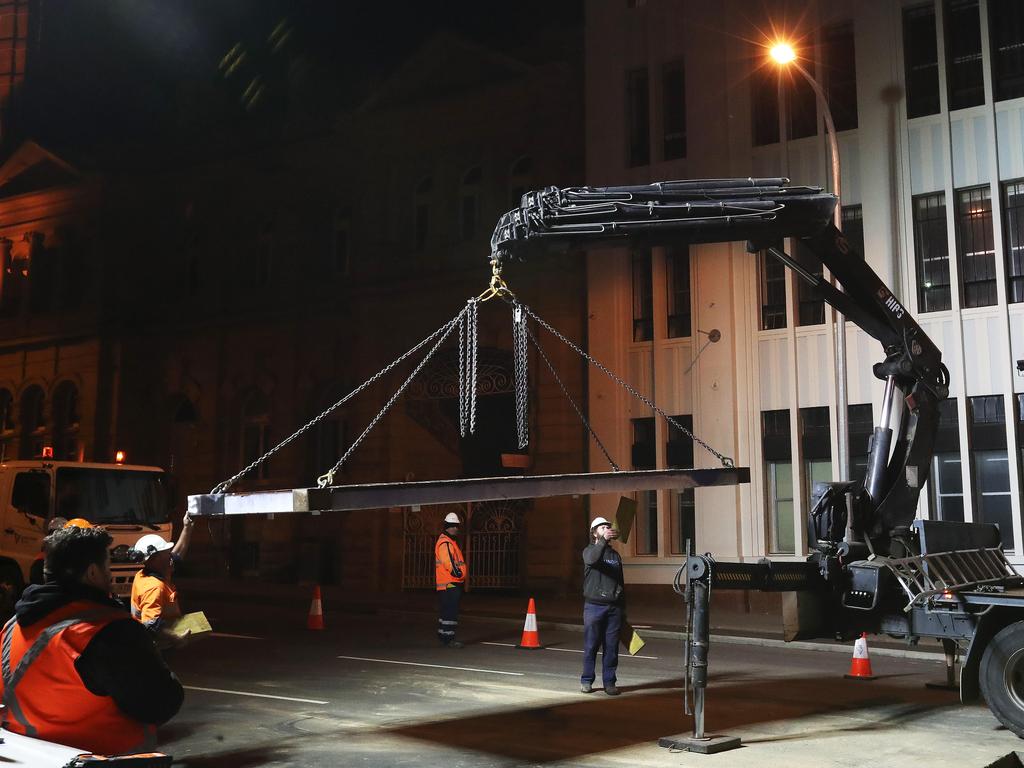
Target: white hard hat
x=452 y=519
x=150 y=544
x=598 y=521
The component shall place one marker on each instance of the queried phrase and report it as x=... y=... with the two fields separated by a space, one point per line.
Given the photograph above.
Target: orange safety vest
x=446 y=555
x=44 y=696
x=153 y=598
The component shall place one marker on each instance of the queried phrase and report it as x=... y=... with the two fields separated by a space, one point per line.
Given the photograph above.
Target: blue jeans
x=601 y=624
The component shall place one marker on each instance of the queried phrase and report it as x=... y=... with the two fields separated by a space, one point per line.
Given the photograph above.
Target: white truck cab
x=129 y=501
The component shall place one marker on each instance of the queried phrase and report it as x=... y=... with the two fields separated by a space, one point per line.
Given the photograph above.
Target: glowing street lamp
x=784 y=55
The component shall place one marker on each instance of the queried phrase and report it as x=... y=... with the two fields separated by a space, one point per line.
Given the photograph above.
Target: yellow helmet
x=78 y=522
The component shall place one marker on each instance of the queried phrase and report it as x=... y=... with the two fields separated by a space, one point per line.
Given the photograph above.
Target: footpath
x=654 y=617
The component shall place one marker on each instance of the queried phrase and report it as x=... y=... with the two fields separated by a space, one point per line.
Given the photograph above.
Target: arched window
x=519 y=178
x=32 y=421
x=421 y=212
x=330 y=437
x=66 y=421
x=469 y=202
x=255 y=438
x=6 y=425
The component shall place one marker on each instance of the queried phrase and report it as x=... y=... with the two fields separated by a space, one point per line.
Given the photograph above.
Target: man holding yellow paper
x=603 y=606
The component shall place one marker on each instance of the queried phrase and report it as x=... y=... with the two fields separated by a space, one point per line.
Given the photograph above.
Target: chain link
x=522 y=373
x=468 y=345
x=225 y=485
x=615 y=467
x=726 y=461
x=327 y=478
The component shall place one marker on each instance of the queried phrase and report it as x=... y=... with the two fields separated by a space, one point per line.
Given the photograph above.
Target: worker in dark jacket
x=603 y=606
x=76 y=669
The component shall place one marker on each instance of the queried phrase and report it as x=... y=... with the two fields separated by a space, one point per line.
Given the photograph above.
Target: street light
x=784 y=55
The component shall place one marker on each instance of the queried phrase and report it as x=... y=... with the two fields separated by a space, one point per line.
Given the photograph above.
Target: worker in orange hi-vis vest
x=154 y=596
x=450 y=575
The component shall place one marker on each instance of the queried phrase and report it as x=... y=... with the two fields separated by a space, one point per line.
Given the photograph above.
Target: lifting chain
x=726 y=461
x=522 y=373
x=540 y=350
x=444 y=329
x=327 y=479
x=468 y=346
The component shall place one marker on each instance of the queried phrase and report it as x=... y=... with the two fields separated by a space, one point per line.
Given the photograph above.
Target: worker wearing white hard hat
x=154 y=596
x=450 y=577
x=603 y=606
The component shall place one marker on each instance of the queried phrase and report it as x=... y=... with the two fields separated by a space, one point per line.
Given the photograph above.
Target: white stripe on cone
x=531 y=623
x=315 y=609
x=860 y=648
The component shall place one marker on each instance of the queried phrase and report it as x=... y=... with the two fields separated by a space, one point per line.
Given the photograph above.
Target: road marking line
x=236 y=637
x=435 y=666
x=257 y=695
x=565 y=650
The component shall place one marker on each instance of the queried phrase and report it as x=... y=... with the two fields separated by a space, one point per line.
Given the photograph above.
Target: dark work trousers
x=448 y=608
x=601 y=624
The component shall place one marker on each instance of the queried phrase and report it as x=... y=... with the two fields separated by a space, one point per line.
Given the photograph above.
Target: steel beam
x=382 y=495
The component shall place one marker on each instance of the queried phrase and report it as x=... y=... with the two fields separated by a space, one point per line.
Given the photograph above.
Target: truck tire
x=1002 y=676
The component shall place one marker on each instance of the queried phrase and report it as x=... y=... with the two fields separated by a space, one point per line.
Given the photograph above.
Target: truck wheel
x=1002 y=676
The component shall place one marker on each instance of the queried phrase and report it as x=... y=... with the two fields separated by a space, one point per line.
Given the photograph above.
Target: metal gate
x=492 y=547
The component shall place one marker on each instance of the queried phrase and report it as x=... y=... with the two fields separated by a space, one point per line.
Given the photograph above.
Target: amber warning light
x=119 y=457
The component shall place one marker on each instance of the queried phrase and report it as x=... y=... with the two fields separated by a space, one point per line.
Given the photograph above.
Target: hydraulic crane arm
x=762 y=212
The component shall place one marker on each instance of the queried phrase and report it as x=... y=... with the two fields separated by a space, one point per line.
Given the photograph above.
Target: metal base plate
x=706 y=746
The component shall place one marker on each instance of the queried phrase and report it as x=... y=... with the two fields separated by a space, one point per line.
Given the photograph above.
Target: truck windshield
x=105 y=496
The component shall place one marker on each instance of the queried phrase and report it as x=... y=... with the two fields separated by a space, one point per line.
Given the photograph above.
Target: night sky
x=109 y=75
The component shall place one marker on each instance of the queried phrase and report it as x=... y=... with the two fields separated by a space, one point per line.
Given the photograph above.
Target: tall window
x=815 y=437
x=778 y=462
x=1006 y=30
x=764 y=106
x=32 y=422
x=679 y=455
x=946 y=481
x=673 y=92
x=520 y=176
x=638 y=151
x=469 y=203
x=341 y=244
x=990 y=464
x=977 y=247
x=963 y=54
x=643 y=298
x=931 y=248
x=840 y=75
x=643 y=455
x=677 y=262
x=1013 y=202
x=773 y=291
x=861 y=426
x=421 y=213
x=66 y=421
x=921 y=60
x=801 y=107
x=6 y=425
x=853 y=228
x=256 y=433
x=811 y=306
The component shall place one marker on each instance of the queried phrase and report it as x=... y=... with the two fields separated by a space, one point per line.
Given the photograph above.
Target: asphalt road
x=375 y=689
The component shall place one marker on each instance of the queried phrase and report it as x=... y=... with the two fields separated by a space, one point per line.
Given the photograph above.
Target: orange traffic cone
x=316 y=611
x=531 y=640
x=860 y=666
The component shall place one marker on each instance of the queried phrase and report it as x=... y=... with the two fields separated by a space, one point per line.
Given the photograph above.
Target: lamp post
x=784 y=55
